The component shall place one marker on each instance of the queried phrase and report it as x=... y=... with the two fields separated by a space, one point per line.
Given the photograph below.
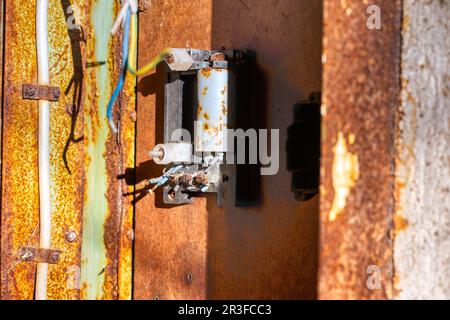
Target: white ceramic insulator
x=212 y=112
x=181 y=60
x=175 y=152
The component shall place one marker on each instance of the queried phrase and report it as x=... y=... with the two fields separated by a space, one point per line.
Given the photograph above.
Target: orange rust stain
x=206 y=126
x=206 y=72
x=206 y=116
x=224 y=108
x=204 y=91
x=199 y=110
x=406 y=23
x=400 y=223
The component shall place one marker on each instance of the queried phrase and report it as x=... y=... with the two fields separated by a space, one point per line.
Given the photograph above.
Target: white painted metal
x=212 y=112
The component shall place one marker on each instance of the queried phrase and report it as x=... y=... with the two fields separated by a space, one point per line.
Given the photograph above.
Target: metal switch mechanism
x=198 y=102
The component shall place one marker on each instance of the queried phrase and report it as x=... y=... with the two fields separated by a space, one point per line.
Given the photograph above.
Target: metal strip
x=40 y=255
x=40 y=92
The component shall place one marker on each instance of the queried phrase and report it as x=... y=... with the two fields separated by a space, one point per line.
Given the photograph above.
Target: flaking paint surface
x=422 y=166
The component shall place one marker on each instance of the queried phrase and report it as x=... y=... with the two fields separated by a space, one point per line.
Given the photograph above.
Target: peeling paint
x=422 y=167
x=345 y=174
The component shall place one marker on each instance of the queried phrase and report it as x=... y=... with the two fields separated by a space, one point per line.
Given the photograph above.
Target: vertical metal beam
x=107 y=216
x=361 y=93
x=2 y=17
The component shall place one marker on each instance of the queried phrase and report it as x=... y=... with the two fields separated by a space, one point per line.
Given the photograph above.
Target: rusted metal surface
x=40 y=92
x=20 y=202
x=361 y=94
x=2 y=9
x=171 y=244
x=107 y=220
x=198 y=250
x=78 y=122
x=269 y=250
x=19 y=154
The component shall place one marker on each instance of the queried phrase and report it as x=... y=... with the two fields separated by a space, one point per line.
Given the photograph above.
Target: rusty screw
x=26 y=255
x=133 y=116
x=55 y=257
x=56 y=93
x=29 y=92
x=189 y=278
x=71 y=236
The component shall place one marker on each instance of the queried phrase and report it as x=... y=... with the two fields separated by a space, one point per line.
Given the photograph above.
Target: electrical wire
x=129 y=51
x=126 y=4
x=132 y=54
x=45 y=214
x=123 y=73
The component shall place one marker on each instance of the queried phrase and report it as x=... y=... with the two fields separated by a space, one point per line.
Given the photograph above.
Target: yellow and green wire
x=130 y=31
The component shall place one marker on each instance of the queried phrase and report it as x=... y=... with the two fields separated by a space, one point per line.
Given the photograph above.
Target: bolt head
x=56 y=93
x=71 y=236
x=29 y=92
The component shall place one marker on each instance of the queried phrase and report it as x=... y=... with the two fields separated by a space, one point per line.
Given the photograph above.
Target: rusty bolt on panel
x=189 y=278
x=71 y=236
x=29 y=92
x=133 y=116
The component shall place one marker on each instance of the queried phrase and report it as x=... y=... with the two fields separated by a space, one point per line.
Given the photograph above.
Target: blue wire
x=120 y=83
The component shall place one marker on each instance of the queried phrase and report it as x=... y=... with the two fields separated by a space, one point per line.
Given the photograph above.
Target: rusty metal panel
x=361 y=94
x=78 y=127
x=269 y=251
x=20 y=202
x=2 y=10
x=170 y=247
